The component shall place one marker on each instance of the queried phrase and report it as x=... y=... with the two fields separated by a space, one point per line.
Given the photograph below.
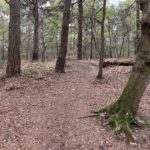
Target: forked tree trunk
x=61 y=59
x=124 y=110
x=80 y=24
x=13 y=63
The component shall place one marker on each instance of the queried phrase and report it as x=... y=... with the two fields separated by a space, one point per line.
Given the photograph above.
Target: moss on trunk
x=122 y=113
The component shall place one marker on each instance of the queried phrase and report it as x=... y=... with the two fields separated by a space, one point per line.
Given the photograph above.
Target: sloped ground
x=42 y=111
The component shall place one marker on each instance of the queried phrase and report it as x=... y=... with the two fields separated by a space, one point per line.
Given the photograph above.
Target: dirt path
x=44 y=114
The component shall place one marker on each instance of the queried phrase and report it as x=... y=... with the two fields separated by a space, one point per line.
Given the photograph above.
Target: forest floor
x=41 y=110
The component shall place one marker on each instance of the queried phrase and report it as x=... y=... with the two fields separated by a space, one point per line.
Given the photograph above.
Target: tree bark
x=61 y=59
x=43 y=53
x=14 y=62
x=100 y=73
x=110 y=41
x=91 y=27
x=35 y=55
x=123 y=111
x=80 y=25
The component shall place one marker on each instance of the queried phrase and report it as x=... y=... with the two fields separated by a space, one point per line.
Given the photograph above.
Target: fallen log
x=118 y=62
x=115 y=62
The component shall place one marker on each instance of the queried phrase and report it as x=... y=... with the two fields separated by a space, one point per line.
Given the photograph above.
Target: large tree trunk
x=35 y=55
x=124 y=110
x=14 y=62
x=61 y=60
x=80 y=24
x=100 y=73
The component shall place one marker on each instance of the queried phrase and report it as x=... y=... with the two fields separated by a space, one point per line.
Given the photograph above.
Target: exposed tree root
x=120 y=119
x=122 y=123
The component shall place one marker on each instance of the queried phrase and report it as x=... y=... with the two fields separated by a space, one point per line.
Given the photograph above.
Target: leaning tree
x=14 y=62
x=122 y=113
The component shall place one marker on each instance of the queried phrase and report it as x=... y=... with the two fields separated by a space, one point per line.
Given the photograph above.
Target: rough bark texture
x=61 y=60
x=124 y=110
x=100 y=73
x=80 y=24
x=13 y=63
x=35 y=55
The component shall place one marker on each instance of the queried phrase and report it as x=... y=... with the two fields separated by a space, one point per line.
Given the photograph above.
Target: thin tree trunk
x=115 y=40
x=92 y=33
x=14 y=62
x=122 y=45
x=42 y=37
x=29 y=40
x=138 y=26
x=61 y=60
x=129 y=45
x=100 y=73
x=70 y=39
x=80 y=24
x=35 y=55
x=91 y=44
x=110 y=42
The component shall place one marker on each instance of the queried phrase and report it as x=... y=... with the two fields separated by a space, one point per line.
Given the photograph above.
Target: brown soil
x=42 y=111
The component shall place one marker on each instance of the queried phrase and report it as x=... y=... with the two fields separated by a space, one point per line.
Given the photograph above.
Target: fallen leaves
x=40 y=109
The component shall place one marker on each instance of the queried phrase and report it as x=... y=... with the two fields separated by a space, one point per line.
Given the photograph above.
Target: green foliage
x=120 y=23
